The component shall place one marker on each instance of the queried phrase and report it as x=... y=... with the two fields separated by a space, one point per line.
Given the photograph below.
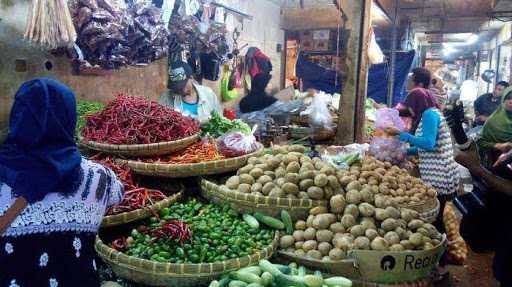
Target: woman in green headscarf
x=496 y=138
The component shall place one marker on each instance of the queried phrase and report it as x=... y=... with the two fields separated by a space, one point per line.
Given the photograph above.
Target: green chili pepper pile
x=84 y=108
x=196 y=233
x=219 y=125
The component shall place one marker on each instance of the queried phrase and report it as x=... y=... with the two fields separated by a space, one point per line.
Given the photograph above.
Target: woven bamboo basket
x=154 y=273
x=248 y=203
x=192 y=169
x=143 y=150
x=134 y=215
x=316 y=134
x=428 y=209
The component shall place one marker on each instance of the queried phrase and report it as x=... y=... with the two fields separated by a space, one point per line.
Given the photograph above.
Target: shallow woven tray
x=192 y=169
x=428 y=209
x=298 y=208
x=138 y=214
x=316 y=134
x=175 y=275
x=143 y=150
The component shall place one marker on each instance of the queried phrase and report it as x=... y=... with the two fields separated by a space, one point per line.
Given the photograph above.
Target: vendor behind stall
x=257 y=99
x=187 y=96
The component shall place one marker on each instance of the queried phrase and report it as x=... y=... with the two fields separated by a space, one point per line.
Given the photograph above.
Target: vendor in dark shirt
x=486 y=104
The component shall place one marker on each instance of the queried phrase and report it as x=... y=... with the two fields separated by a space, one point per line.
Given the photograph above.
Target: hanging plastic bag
x=375 y=55
x=389 y=118
x=235 y=144
x=318 y=111
x=226 y=93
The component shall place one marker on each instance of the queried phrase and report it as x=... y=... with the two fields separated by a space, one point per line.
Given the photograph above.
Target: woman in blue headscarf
x=50 y=241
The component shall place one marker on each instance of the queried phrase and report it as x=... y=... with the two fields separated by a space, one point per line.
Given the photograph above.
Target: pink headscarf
x=419 y=100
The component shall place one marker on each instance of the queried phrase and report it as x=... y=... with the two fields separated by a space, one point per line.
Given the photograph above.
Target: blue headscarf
x=39 y=155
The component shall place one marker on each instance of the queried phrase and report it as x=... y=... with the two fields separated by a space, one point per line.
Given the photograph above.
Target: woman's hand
x=503 y=147
x=392 y=131
x=503 y=158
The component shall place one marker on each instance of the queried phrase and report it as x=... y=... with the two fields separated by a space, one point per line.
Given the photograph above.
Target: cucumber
x=251 y=269
x=266 y=266
x=284 y=269
x=247 y=277
x=224 y=281
x=338 y=281
x=289 y=280
x=266 y=279
x=236 y=283
x=269 y=221
x=313 y=280
x=302 y=271
x=251 y=221
x=318 y=273
x=214 y=283
x=254 y=285
x=287 y=220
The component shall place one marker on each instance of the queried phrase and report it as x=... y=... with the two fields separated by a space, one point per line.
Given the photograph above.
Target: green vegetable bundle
x=84 y=108
x=219 y=125
x=217 y=234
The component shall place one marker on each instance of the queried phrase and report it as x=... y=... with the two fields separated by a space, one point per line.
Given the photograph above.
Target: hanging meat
x=50 y=24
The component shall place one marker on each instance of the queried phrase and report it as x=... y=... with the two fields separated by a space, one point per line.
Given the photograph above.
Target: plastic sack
x=375 y=55
x=236 y=144
x=344 y=156
x=389 y=149
x=388 y=118
x=318 y=111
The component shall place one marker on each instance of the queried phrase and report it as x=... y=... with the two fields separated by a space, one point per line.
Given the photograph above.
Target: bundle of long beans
x=50 y=24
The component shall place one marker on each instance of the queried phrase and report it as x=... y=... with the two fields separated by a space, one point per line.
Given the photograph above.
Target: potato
x=337 y=227
x=389 y=224
x=342 y=241
x=286 y=241
x=277 y=149
x=315 y=192
x=371 y=234
x=310 y=233
x=381 y=214
x=427 y=246
x=291 y=196
x=432 y=230
x=289 y=158
x=299 y=253
x=333 y=182
x=336 y=254
x=423 y=231
x=366 y=209
x=298 y=235
x=303 y=195
x=328 y=192
x=262 y=166
x=264 y=179
x=280 y=172
x=352 y=209
x=256 y=187
x=305 y=184
x=292 y=177
x=415 y=224
x=416 y=239
x=307 y=174
x=324 y=235
x=290 y=188
x=269 y=186
x=392 y=237
x=309 y=220
x=396 y=248
x=379 y=244
x=308 y=166
x=245 y=178
x=354 y=185
x=337 y=203
x=315 y=254
x=309 y=245
x=321 y=180
x=353 y=196
x=401 y=233
x=253 y=160
x=256 y=172
x=357 y=230
x=298 y=244
x=233 y=182
x=276 y=192
x=244 y=188
x=324 y=248
x=348 y=221
x=273 y=163
x=393 y=212
x=368 y=223
x=327 y=170
x=366 y=195
x=303 y=159
x=362 y=243
x=323 y=221
x=380 y=201
x=245 y=169
x=300 y=225
x=318 y=210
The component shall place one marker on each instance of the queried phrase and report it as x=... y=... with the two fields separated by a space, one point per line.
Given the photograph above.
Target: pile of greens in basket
x=84 y=108
x=219 y=125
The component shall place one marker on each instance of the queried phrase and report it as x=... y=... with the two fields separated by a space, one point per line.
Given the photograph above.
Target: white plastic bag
x=318 y=111
x=375 y=54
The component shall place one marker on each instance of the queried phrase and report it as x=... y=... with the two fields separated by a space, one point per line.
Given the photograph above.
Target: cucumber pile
x=218 y=233
x=267 y=274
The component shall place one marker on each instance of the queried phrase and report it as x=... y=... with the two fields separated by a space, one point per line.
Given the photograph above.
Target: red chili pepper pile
x=173 y=229
x=134 y=120
x=135 y=197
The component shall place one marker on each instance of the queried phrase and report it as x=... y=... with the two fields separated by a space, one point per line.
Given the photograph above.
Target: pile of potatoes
x=359 y=220
x=287 y=173
x=394 y=183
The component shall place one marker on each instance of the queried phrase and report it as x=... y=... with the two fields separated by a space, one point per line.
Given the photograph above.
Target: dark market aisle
x=477 y=272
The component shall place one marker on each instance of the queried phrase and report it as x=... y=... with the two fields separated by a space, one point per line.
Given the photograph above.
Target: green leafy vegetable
x=219 y=125
x=84 y=108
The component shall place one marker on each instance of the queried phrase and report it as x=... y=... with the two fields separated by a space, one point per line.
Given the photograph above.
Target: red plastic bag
x=236 y=144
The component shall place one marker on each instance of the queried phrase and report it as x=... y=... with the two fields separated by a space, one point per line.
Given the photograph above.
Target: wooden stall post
x=351 y=120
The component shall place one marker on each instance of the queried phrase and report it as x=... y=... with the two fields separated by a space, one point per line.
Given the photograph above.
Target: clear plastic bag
x=318 y=111
x=389 y=118
x=389 y=149
x=236 y=144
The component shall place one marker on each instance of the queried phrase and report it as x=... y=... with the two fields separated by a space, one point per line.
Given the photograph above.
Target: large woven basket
x=134 y=215
x=320 y=134
x=249 y=203
x=428 y=209
x=142 y=150
x=192 y=169
x=175 y=275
